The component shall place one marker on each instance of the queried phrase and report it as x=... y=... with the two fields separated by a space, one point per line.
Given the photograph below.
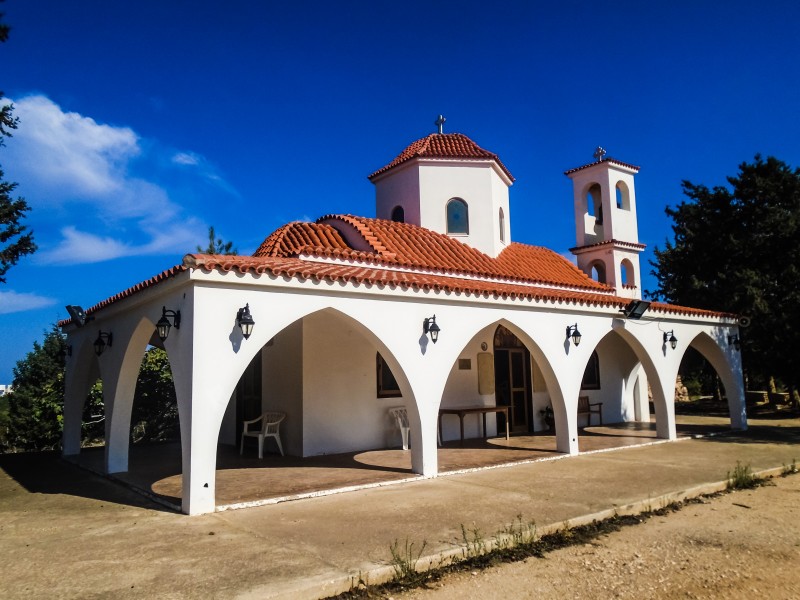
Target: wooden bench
x=590 y=408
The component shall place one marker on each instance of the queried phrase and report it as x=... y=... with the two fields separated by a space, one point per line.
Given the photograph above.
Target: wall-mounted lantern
x=429 y=326
x=103 y=339
x=669 y=336
x=733 y=340
x=245 y=321
x=163 y=325
x=572 y=332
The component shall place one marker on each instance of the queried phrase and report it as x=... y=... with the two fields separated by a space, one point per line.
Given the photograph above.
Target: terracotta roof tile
x=608 y=160
x=298 y=268
x=633 y=245
x=360 y=274
x=443 y=145
x=164 y=275
x=300 y=237
x=411 y=246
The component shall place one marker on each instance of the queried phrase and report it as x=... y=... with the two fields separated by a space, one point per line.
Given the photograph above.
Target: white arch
x=728 y=372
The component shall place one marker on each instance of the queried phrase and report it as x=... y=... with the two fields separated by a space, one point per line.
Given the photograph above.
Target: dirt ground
x=745 y=544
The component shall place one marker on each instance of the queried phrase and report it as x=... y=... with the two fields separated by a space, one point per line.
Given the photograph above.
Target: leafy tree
x=35 y=405
x=155 y=406
x=37 y=398
x=14 y=242
x=216 y=245
x=737 y=249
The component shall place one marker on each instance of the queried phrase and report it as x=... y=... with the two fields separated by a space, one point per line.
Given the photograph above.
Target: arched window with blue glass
x=457 y=216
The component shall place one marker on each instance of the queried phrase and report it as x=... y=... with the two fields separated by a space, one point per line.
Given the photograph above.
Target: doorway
x=512 y=376
x=248 y=395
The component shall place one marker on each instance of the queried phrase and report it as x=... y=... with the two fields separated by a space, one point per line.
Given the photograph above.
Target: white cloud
x=101 y=187
x=12 y=302
x=202 y=167
x=81 y=247
x=67 y=154
x=186 y=158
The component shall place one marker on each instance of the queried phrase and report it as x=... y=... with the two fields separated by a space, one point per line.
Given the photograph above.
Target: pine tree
x=737 y=249
x=14 y=241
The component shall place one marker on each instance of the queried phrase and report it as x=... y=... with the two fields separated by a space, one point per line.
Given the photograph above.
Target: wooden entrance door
x=518 y=391
x=512 y=387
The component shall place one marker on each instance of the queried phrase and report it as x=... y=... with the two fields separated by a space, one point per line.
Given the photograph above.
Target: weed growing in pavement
x=742 y=478
x=790 y=469
x=476 y=546
x=404 y=561
x=518 y=533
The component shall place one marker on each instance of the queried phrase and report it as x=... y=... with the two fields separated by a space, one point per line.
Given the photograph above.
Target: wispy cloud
x=12 y=302
x=202 y=167
x=186 y=158
x=103 y=190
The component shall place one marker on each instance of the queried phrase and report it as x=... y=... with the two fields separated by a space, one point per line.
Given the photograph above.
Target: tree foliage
x=216 y=245
x=35 y=404
x=37 y=398
x=14 y=241
x=155 y=406
x=737 y=249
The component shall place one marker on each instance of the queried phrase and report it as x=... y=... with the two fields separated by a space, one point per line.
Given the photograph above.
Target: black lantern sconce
x=163 y=325
x=429 y=326
x=245 y=321
x=572 y=332
x=735 y=342
x=103 y=339
x=669 y=336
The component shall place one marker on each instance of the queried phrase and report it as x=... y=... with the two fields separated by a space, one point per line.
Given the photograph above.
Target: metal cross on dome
x=439 y=123
x=599 y=153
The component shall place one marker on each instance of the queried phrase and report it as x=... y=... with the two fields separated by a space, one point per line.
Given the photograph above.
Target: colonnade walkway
x=245 y=481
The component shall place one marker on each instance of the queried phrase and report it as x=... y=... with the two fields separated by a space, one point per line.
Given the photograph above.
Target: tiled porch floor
x=156 y=469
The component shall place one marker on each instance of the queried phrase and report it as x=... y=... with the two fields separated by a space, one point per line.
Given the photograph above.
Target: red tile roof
x=410 y=246
x=608 y=160
x=366 y=275
x=163 y=276
x=612 y=242
x=302 y=238
x=443 y=145
x=297 y=268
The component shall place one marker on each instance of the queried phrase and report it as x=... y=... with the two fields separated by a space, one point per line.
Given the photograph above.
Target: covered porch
x=243 y=481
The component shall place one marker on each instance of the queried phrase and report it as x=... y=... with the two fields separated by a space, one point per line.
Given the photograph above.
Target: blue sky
x=143 y=123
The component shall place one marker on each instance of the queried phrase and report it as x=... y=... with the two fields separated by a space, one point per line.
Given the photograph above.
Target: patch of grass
x=790 y=469
x=742 y=478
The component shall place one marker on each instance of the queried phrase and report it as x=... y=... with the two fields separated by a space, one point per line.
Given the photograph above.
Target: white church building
x=428 y=305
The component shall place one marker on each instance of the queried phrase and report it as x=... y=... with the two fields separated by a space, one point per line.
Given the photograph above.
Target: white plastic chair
x=401 y=417
x=270 y=427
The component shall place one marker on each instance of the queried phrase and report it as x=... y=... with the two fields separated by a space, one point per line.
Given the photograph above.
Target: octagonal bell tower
x=606 y=230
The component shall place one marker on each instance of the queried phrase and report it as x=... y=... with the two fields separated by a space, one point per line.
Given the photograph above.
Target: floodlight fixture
x=78 y=315
x=635 y=309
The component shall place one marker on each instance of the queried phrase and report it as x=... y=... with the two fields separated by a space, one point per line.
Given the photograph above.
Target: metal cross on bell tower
x=440 y=123
x=599 y=153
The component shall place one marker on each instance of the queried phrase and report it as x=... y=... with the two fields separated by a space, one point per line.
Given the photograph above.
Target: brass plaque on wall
x=485 y=373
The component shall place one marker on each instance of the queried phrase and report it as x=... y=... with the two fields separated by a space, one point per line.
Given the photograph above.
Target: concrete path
x=68 y=534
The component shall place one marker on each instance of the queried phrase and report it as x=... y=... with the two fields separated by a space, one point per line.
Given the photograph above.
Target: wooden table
x=471 y=410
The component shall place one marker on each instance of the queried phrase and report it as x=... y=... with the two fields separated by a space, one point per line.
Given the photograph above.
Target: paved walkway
x=247 y=481
x=69 y=534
